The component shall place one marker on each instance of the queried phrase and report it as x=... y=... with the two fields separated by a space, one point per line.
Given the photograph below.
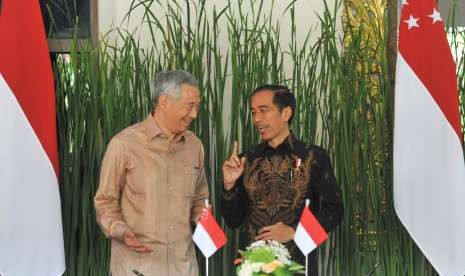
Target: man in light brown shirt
x=153 y=185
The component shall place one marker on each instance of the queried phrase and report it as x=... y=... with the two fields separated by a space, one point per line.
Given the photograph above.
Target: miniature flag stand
x=208 y=235
x=309 y=233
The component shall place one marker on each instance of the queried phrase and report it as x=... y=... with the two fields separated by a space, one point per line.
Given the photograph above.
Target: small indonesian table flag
x=309 y=233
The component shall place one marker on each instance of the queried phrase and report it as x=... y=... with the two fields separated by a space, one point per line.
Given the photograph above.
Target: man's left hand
x=279 y=232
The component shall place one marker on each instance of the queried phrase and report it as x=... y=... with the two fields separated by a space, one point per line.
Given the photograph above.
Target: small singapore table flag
x=208 y=235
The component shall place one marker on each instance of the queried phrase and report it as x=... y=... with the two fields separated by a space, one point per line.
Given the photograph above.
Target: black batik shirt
x=273 y=189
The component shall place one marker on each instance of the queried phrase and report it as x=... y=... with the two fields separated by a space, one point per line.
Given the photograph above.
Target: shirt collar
x=152 y=130
x=288 y=144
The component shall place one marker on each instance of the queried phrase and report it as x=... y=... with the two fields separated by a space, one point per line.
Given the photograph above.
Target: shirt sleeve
x=234 y=204
x=325 y=194
x=112 y=181
x=201 y=189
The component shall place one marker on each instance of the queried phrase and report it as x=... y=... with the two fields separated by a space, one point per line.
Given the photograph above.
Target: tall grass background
x=344 y=95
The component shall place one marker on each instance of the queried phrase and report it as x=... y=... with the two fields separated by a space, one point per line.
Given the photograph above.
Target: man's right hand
x=132 y=243
x=232 y=169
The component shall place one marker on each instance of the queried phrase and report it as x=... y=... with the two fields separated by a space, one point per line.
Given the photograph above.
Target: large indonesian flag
x=31 y=235
x=309 y=233
x=208 y=235
x=429 y=168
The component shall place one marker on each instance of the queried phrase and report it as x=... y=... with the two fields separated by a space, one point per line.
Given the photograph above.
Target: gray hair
x=169 y=83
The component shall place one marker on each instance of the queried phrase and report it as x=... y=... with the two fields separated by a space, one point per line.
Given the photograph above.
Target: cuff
x=228 y=195
x=117 y=230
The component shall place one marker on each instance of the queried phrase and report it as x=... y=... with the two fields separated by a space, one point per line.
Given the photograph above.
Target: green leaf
x=281 y=271
x=260 y=255
x=295 y=267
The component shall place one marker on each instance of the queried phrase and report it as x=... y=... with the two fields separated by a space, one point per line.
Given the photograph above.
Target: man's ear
x=163 y=101
x=286 y=113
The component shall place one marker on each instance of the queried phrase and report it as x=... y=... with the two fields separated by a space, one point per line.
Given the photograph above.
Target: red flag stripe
x=20 y=57
x=214 y=230
x=313 y=227
x=433 y=53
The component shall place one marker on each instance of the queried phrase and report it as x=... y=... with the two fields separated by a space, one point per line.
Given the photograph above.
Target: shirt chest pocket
x=189 y=179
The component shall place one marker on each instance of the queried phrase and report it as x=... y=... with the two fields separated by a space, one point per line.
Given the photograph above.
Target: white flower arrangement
x=267 y=258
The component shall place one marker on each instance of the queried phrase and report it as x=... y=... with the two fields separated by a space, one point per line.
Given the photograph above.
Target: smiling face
x=179 y=113
x=270 y=122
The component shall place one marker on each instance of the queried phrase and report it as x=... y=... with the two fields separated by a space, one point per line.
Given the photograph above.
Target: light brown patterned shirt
x=157 y=190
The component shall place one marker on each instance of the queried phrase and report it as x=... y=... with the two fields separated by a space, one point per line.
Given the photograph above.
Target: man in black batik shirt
x=265 y=187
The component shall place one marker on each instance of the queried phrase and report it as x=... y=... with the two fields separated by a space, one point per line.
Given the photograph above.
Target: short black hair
x=282 y=97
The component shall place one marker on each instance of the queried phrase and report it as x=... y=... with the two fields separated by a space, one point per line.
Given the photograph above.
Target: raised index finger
x=234 y=151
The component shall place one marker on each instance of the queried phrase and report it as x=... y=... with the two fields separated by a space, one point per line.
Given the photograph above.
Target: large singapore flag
x=429 y=168
x=31 y=235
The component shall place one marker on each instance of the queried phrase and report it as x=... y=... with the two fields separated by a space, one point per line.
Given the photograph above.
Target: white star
x=436 y=16
x=412 y=22
x=404 y=2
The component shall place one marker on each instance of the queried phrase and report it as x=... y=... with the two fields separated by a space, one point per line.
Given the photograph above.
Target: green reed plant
x=457 y=41
x=97 y=95
x=345 y=104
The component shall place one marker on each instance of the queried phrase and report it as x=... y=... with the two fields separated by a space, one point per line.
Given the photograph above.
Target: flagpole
x=307 y=204
x=206 y=259
x=306 y=265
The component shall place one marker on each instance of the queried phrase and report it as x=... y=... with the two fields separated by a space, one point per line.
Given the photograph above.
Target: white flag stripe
x=31 y=209
x=303 y=240
x=204 y=241
x=429 y=174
